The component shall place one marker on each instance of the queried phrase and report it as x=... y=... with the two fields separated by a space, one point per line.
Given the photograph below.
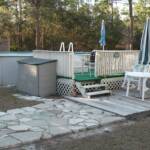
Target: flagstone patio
x=50 y=118
x=55 y=117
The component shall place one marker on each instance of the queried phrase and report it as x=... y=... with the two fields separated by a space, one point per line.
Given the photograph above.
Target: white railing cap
x=101 y=51
x=50 y=51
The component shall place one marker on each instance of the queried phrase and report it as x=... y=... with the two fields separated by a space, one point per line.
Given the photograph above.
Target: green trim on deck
x=114 y=75
x=85 y=76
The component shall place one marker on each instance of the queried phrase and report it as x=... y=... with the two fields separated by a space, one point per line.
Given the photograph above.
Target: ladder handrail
x=71 y=48
x=62 y=47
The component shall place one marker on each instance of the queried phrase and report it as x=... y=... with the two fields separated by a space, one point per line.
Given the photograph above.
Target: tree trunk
x=112 y=9
x=36 y=5
x=20 y=24
x=42 y=38
x=37 y=30
x=131 y=24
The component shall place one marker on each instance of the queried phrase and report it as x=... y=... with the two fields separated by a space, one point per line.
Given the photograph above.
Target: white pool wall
x=9 y=66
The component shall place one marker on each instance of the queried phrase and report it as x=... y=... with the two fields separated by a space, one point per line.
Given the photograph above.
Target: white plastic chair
x=136 y=68
x=147 y=68
x=142 y=82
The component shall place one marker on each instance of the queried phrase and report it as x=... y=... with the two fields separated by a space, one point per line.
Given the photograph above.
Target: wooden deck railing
x=106 y=62
x=64 y=64
x=111 y=62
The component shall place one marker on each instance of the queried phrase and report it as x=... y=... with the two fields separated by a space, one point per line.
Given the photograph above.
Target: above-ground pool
x=9 y=66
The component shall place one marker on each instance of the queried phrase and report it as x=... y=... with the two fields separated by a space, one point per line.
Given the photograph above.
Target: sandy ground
x=8 y=101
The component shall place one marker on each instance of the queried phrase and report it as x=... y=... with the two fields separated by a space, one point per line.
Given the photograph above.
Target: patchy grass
x=131 y=137
x=8 y=101
x=135 y=136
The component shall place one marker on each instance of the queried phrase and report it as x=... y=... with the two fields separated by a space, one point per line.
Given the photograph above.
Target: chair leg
x=139 y=84
x=143 y=88
x=128 y=88
x=123 y=85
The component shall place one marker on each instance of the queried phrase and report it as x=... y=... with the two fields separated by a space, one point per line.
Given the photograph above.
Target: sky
x=124 y=1
x=122 y=4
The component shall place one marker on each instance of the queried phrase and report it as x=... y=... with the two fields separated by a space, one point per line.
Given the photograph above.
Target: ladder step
x=98 y=93
x=94 y=86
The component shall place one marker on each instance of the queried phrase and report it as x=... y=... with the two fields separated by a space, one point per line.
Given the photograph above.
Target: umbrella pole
x=103 y=47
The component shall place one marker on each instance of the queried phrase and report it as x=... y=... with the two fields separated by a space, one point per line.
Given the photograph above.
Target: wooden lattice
x=67 y=86
x=113 y=83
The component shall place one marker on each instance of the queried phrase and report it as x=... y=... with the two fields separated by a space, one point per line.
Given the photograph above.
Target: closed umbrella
x=144 y=57
x=102 y=40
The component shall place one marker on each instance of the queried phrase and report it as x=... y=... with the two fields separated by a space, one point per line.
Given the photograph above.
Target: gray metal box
x=37 y=77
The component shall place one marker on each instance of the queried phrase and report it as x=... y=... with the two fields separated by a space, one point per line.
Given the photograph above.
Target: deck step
x=94 y=86
x=90 y=94
x=94 y=90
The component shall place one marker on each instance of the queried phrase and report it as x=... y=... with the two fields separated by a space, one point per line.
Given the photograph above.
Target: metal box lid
x=35 y=61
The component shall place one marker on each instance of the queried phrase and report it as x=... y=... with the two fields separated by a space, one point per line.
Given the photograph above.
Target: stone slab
x=75 y=121
x=13 y=122
x=5 y=132
x=28 y=136
x=16 y=111
x=77 y=128
x=37 y=123
x=8 y=117
x=37 y=129
x=41 y=106
x=8 y=141
x=25 y=119
x=56 y=131
x=2 y=113
x=3 y=125
x=20 y=127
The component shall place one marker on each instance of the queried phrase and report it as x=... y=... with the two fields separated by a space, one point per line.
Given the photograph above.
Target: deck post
x=72 y=63
x=95 y=70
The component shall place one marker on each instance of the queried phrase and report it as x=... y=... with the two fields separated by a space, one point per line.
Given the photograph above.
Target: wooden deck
x=117 y=104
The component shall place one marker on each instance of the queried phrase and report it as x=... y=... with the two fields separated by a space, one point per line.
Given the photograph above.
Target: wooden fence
x=113 y=62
